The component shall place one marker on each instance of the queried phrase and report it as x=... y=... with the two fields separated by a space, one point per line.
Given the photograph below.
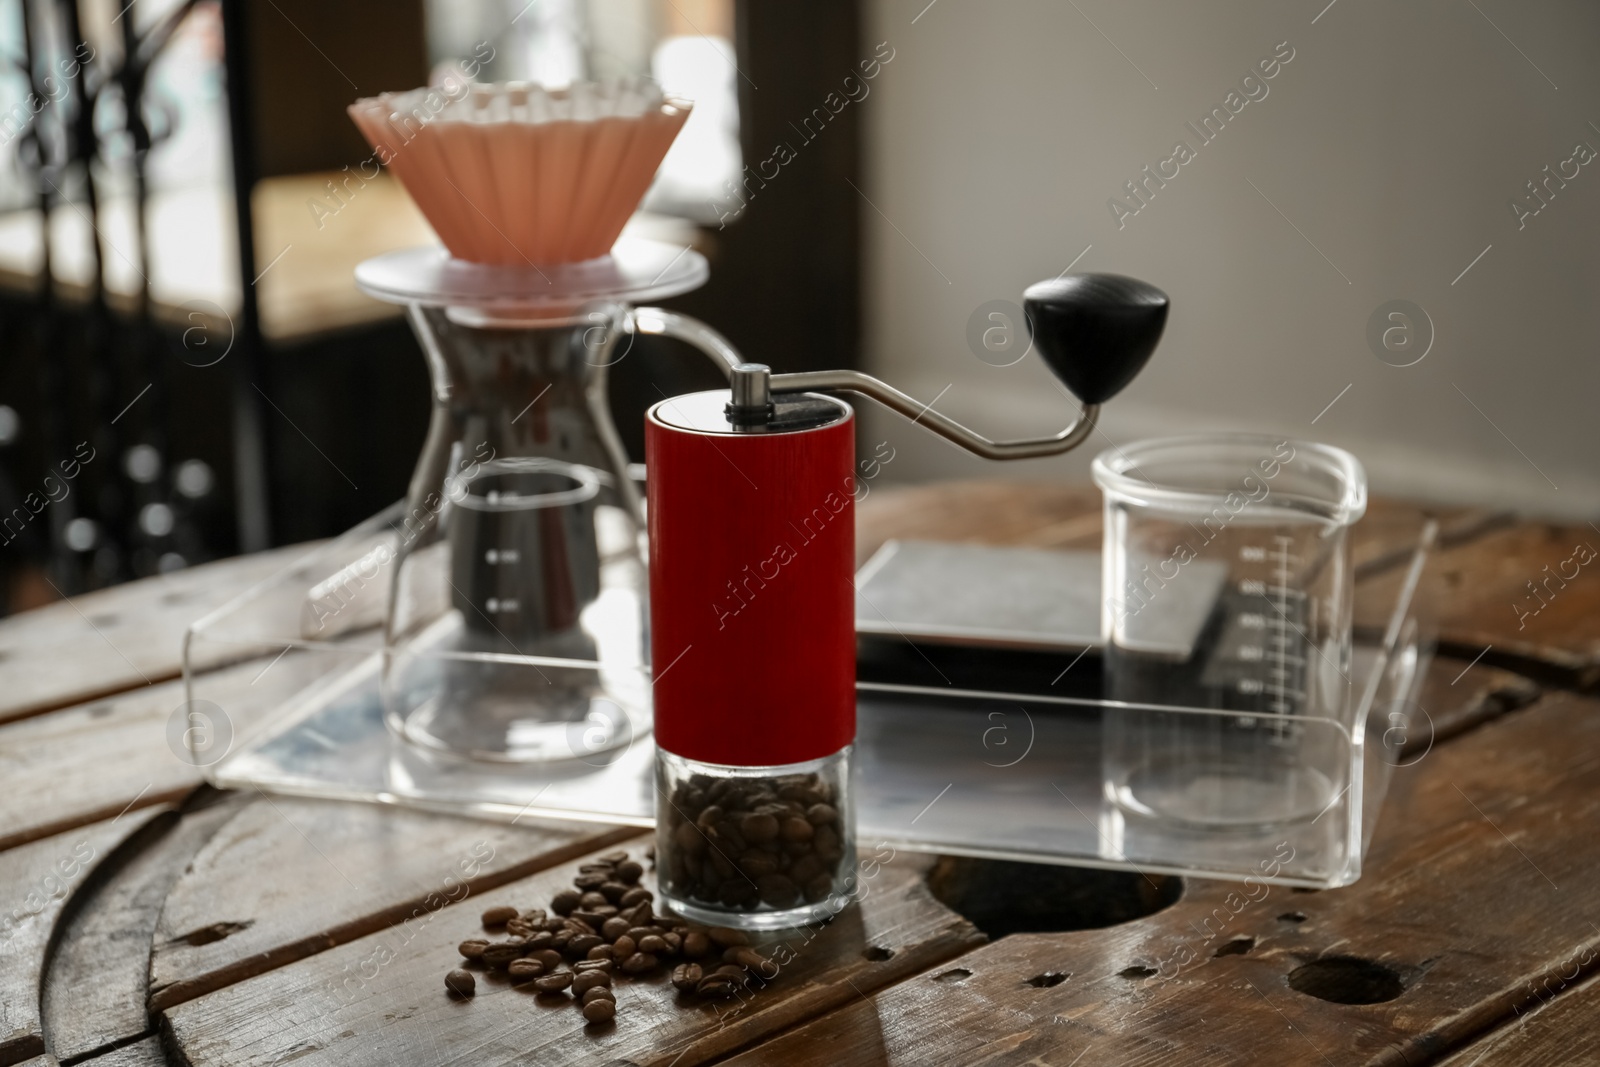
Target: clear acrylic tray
x=960 y=751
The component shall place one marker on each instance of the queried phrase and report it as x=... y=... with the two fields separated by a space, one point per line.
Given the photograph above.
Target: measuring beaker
x=1252 y=534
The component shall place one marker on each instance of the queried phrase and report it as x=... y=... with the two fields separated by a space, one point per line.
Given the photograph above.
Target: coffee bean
x=592 y=880
x=614 y=857
x=639 y=963
x=614 y=928
x=734 y=973
x=540 y=940
x=600 y=952
x=472 y=948
x=551 y=983
x=560 y=939
x=535 y=917
x=547 y=956
x=601 y=914
x=685 y=976
x=596 y=899
x=519 y=927
x=696 y=945
x=637 y=895
x=611 y=892
x=743 y=956
x=565 y=902
x=501 y=953
x=524 y=969
x=822 y=814
x=581 y=944
x=599 y=992
x=600 y=1011
x=629 y=871
x=603 y=966
x=601 y=867
x=461 y=983
x=727 y=937
x=498 y=916
x=717 y=986
x=592 y=918
x=623 y=947
x=796 y=828
x=588 y=980
x=652 y=943
x=674 y=940
x=757 y=828
x=638 y=932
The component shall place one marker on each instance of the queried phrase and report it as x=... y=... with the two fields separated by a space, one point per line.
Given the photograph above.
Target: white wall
x=1393 y=139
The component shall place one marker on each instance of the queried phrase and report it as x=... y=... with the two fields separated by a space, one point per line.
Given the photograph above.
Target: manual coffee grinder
x=752 y=555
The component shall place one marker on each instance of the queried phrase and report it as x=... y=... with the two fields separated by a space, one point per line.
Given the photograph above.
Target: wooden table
x=149 y=920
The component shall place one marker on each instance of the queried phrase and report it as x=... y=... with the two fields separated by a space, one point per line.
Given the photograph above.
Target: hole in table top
x=1002 y=897
x=1292 y=917
x=954 y=974
x=1049 y=978
x=1347 y=980
x=877 y=953
x=1136 y=972
x=1238 y=946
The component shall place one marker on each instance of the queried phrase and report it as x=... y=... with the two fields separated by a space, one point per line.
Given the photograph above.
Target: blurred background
x=1379 y=232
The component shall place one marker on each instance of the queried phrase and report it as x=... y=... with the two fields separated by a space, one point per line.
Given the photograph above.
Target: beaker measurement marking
x=496 y=606
x=1282 y=657
x=496 y=556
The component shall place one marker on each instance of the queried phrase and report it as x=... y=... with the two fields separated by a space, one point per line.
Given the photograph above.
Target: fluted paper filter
x=515 y=173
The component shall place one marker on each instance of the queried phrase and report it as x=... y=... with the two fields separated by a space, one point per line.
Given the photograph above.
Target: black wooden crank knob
x=1095 y=331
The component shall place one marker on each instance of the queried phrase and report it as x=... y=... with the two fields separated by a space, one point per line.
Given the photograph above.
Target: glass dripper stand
x=517 y=623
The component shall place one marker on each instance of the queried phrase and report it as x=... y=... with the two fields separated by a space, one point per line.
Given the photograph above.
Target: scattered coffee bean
x=472 y=948
x=639 y=963
x=630 y=871
x=461 y=983
x=552 y=983
x=499 y=916
x=614 y=857
x=599 y=992
x=547 y=956
x=685 y=976
x=717 y=986
x=623 y=947
x=581 y=944
x=587 y=980
x=696 y=944
x=745 y=957
x=501 y=953
x=727 y=937
x=614 y=928
x=600 y=952
x=565 y=902
x=524 y=969
x=652 y=943
x=603 y=966
x=600 y=1011
x=637 y=895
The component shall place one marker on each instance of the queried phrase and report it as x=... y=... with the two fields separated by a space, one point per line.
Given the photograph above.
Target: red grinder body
x=752 y=606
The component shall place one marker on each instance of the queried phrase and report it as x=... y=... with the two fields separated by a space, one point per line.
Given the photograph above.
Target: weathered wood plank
x=116 y=639
x=36 y=883
x=98 y=979
x=1523 y=594
x=1476 y=886
x=146 y=1053
x=84 y=764
x=1556 y=1024
x=305 y=1011
x=287 y=878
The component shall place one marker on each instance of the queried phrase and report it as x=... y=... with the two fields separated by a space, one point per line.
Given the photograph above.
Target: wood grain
x=122 y=638
x=146 y=1053
x=98 y=978
x=287 y=878
x=1476 y=886
x=36 y=883
x=1559 y=1026
x=1485 y=600
x=297 y=1011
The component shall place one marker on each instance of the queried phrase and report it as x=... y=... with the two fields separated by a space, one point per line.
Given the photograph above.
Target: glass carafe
x=517 y=622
